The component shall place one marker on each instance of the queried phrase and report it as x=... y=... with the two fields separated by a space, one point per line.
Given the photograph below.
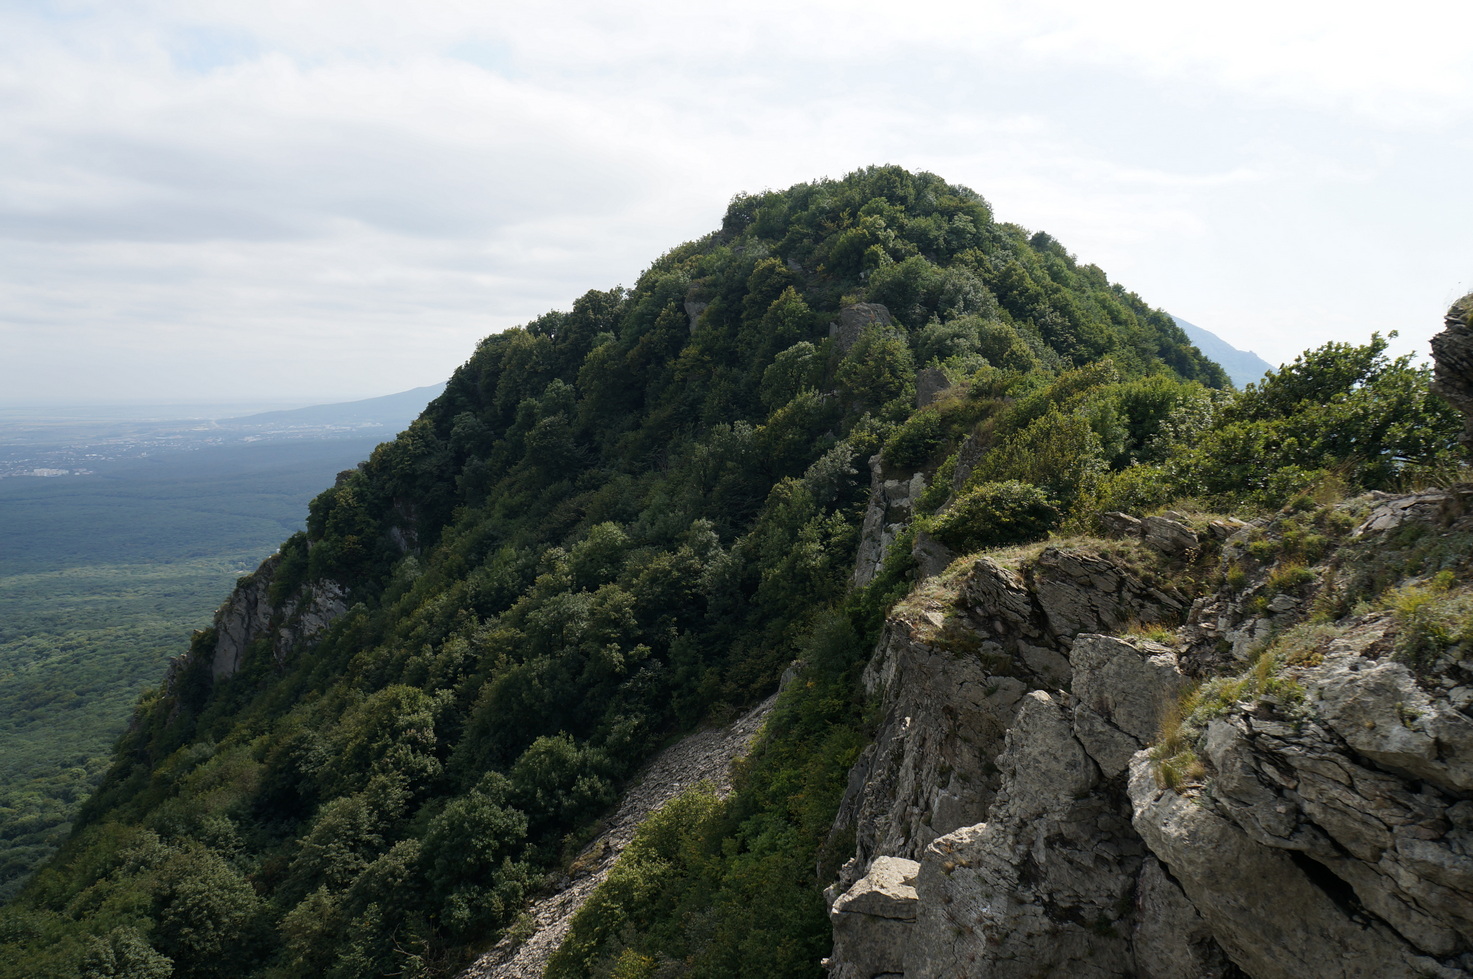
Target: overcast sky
x=313 y=202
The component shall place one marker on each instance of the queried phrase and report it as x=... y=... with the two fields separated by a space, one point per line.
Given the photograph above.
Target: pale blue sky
x=232 y=200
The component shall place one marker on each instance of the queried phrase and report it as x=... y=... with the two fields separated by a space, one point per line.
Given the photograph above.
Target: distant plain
x=135 y=533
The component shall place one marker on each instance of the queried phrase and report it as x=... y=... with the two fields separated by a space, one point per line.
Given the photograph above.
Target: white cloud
x=352 y=194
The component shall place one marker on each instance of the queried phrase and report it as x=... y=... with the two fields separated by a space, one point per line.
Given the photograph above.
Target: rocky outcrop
x=693 y=311
x=873 y=920
x=1319 y=821
x=245 y=615
x=952 y=670
x=851 y=322
x=248 y=616
x=1306 y=862
x=930 y=383
x=1037 y=888
x=1061 y=803
x=1452 y=351
x=889 y=511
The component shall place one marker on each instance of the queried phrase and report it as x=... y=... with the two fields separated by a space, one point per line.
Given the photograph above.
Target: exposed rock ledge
x=248 y=615
x=705 y=756
x=1326 y=834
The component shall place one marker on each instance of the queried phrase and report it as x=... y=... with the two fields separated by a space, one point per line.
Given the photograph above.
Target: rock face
x=852 y=320
x=1452 y=349
x=1319 y=817
x=930 y=383
x=874 y=918
x=248 y=615
x=891 y=504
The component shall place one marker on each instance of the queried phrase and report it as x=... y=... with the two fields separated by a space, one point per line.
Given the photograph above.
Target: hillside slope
x=631 y=518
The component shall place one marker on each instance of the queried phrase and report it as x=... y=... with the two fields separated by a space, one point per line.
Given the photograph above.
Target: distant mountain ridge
x=1243 y=366
x=396 y=410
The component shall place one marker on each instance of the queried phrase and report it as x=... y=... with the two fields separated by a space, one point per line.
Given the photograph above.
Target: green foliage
x=1341 y=409
x=1431 y=617
x=878 y=372
x=1059 y=454
x=100 y=577
x=915 y=441
x=995 y=514
x=123 y=952
x=715 y=888
x=561 y=780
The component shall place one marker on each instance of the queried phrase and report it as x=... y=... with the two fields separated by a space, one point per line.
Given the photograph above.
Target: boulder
x=930 y=383
x=852 y=320
x=872 y=920
x=1117 y=524
x=1167 y=535
x=693 y=311
x=1122 y=689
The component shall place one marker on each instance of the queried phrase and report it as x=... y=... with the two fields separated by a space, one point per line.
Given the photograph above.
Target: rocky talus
x=1046 y=796
x=705 y=756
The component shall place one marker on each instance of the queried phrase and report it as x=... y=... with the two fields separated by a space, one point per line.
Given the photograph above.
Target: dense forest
x=626 y=520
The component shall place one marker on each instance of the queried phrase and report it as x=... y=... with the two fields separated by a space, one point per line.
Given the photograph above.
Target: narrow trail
x=703 y=756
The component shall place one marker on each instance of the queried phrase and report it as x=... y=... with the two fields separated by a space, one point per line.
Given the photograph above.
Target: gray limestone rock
x=1275 y=915
x=248 y=615
x=1037 y=889
x=932 y=557
x=245 y=615
x=852 y=320
x=1226 y=527
x=873 y=919
x=1383 y=714
x=1168 y=535
x=1118 y=524
x=891 y=504
x=1329 y=832
x=1122 y=689
x=693 y=311
x=1171 y=941
x=1083 y=592
x=930 y=383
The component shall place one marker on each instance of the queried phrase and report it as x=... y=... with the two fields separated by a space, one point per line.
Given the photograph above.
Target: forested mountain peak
x=631 y=517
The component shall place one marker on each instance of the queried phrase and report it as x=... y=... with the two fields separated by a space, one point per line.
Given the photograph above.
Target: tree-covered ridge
x=617 y=522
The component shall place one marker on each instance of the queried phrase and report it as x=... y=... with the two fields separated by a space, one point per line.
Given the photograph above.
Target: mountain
x=391 y=411
x=862 y=446
x=59 y=441
x=1243 y=366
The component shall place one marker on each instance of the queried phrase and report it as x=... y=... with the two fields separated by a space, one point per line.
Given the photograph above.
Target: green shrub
x=995 y=514
x=912 y=444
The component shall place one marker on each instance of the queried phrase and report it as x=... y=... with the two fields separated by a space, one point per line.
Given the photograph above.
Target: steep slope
x=633 y=517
